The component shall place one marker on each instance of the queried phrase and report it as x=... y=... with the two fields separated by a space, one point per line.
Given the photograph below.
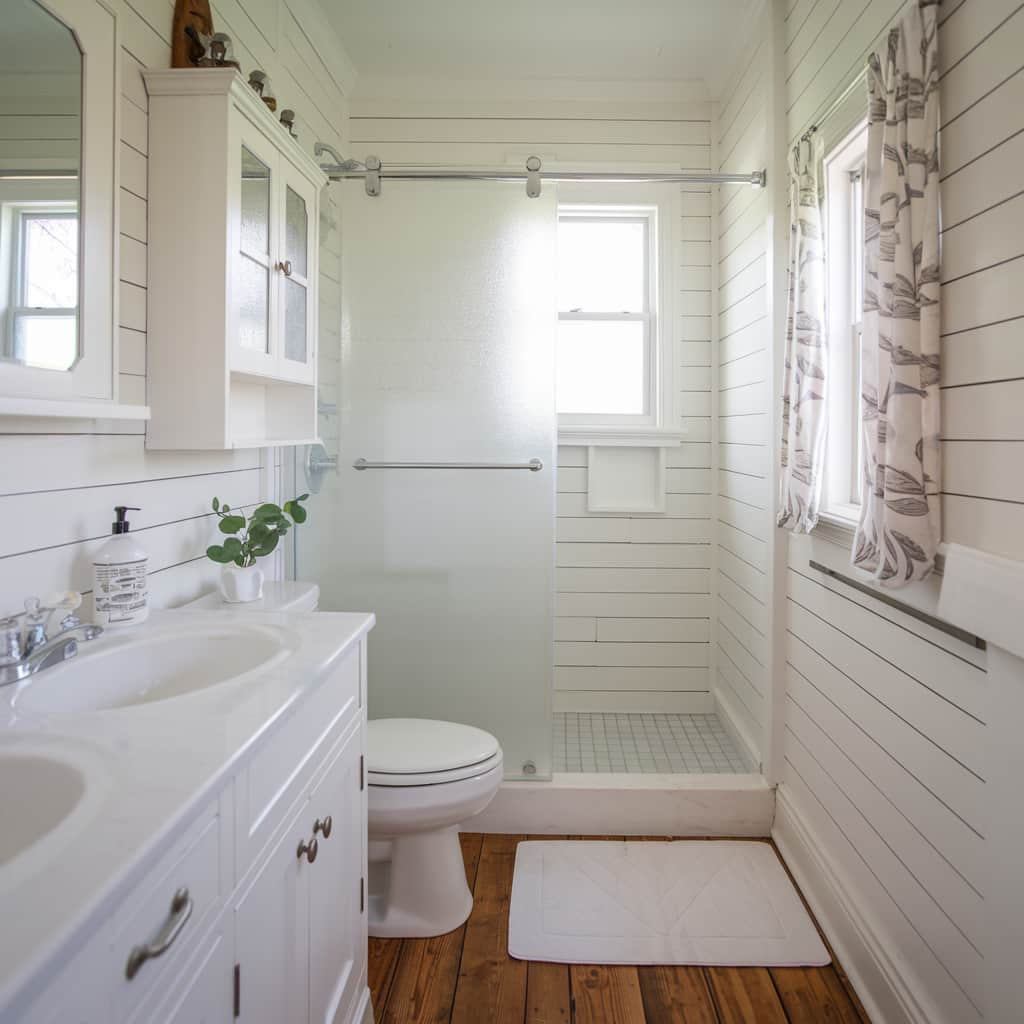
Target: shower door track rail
x=534 y=465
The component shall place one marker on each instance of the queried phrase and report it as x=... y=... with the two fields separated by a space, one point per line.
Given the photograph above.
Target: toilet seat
x=425 y=752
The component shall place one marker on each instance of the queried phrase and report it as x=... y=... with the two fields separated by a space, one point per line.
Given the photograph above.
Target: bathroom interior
x=511 y=512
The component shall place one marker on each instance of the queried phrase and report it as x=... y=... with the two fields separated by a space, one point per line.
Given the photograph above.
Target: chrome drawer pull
x=181 y=911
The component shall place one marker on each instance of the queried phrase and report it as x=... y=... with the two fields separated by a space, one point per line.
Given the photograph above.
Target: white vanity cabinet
x=272 y=867
x=233 y=221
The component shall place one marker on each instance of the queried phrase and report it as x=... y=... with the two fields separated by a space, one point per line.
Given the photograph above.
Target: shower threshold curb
x=632 y=804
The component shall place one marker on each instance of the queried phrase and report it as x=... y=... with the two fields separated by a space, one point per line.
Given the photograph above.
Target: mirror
x=40 y=179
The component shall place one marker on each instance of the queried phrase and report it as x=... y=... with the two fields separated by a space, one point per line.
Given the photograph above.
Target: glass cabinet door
x=297 y=269
x=256 y=234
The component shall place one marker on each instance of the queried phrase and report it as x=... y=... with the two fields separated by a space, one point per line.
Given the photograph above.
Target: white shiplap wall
x=742 y=399
x=882 y=778
x=633 y=601
x=60 y=477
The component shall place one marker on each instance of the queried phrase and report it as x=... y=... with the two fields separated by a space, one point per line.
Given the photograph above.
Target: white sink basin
x=37 y=793
x=158 y=664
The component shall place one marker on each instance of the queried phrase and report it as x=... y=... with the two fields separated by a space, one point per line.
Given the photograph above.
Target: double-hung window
x=41 y=262
x=613 y=361
x=844 y=262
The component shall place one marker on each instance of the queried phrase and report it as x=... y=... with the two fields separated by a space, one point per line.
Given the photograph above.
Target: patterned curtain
x=804 y=423
x=900 y=528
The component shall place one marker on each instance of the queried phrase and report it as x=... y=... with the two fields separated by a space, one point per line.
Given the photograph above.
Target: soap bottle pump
x=120 y=587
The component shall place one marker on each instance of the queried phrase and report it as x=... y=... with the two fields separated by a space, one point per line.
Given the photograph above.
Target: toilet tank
x=278 y=596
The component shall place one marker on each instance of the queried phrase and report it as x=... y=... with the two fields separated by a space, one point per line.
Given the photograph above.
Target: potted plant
x=240 y=578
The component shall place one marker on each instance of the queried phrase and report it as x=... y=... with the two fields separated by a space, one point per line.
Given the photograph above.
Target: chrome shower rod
x=373 y=172
x=534 y=465
x=755 y=178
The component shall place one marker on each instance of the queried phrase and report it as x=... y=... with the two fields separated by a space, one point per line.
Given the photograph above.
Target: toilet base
x=421 y=890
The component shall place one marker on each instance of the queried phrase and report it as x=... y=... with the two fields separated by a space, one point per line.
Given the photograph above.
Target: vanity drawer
x=171 y=907
x=278 y=772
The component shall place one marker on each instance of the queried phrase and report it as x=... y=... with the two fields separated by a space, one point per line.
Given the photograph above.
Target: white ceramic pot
x=240 y=585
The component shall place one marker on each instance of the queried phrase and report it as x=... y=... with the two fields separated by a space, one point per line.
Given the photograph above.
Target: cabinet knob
x=285 y=267
x=308 y=850
x=323 y=827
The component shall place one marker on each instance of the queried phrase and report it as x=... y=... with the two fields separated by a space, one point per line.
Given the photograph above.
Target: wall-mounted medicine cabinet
x=59 y=97
x=233 y=219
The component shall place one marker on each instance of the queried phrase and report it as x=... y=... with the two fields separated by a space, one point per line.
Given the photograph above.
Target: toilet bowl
x=424 y=779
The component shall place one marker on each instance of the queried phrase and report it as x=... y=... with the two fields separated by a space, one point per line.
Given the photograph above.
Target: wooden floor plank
x=491 y=985
x=745 y=995
x=547 y=993
x=676 y=995
x=382 y=961
x=603 y=994
x=426 y=971
x=814 y=995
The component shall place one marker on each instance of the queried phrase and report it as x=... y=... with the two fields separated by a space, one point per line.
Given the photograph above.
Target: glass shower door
x=447 y=355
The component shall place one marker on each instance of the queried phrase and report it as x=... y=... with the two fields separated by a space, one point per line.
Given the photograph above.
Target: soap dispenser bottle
x=120 y=587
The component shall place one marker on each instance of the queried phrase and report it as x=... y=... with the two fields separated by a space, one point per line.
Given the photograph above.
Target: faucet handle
x=10 y=640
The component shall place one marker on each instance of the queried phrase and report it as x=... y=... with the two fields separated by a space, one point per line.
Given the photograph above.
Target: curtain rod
x=859 y=80
x=373 y=172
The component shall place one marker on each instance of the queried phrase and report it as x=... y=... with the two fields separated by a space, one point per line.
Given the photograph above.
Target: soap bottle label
x=120 y=593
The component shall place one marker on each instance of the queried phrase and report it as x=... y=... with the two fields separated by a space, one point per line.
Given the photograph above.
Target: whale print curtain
x=900 y=528
x=804 y=422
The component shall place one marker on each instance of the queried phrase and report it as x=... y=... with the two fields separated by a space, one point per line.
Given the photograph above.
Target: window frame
x=844 y=282
x=19 y=213
x=658 y=206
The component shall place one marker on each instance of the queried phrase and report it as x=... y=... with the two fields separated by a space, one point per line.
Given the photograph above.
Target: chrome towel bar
x=534 y=465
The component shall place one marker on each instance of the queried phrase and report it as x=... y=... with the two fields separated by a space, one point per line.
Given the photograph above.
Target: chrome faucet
x=25 y=647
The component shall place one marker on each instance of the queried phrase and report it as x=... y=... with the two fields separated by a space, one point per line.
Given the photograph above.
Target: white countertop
x=149 y=767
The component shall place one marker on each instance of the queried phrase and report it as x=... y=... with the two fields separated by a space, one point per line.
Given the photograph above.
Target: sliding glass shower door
x=447 y=335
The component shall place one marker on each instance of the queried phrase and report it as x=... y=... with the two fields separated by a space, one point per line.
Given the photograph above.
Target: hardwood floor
x=467 y=976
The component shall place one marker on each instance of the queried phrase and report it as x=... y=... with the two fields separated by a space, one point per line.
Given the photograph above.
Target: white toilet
x=425 y=778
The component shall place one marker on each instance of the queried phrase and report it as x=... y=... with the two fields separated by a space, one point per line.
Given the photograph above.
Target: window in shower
x=613 y=370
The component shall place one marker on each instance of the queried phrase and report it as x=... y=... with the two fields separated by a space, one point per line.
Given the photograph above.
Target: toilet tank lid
x=278 y=596
x=413 y=746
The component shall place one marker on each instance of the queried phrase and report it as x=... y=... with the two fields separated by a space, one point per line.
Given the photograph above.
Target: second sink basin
x=37 y=793
x=159 y=664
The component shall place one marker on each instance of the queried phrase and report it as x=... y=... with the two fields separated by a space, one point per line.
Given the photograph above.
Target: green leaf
x=232 y=524
x=268 y=511
x=217 y=554
x=295 y=510
x=302 y=497
x=266 y=546
x=216 y=504
x=232 y=547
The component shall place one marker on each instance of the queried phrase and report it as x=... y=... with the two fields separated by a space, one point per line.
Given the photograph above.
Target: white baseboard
x=637 y=805
x=622 y=702
x=743 y=741
x=873 y=967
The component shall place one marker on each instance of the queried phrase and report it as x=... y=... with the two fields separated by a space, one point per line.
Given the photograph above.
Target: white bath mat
x=691 y=902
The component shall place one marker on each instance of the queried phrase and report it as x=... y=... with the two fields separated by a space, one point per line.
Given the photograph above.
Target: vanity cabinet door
x=297 y=269
x=337 y=918
x=272 y=933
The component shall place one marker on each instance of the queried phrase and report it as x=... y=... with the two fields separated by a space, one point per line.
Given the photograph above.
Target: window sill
x=838 y=529
x=636 y=437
